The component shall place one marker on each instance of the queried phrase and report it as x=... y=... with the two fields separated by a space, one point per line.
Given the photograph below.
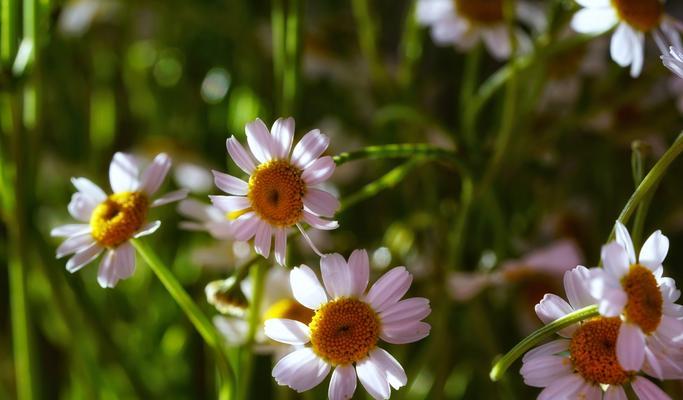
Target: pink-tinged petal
x=391 y=368
x=319 y=171
x=219 y=229
x=594 y=21
x=654 y=250
x=124 y=261
x=155 y=174
x=287 y=331
x=230 y=204
x=615 y=260
x=148 y=229
x=624 y=239
x=652 y=365
x=646 y=390
x=497 y=41
x=280 y=245
x=81 y=206
x=170 y=197
x=542 y=371
x=552 y=307
x=389 y=289
x=342 y=383
x=229 y=184
x=406 y=311
x=405 y=333
x=549 y=349
x=615 y=392
x=309 y=148
x=589 y=391
x=306 y=287
x=670 y=330
x=359 y=264
x=83 y=258
x=264 y=234
x=106 y=274
x=245 y=226
x=71 y=230
x=199 y=211
x=319 y=223
x=301 y=370
x=576 y=285
x=123 y=173
x=612 y=303
x=260 y=141
x=373 y=380
x=630 y=347
x=75 y=244
x=239 y=155
x=283 y=135
x=563 y=388
x=85 y=186
x=321 y=202
x=336 y=275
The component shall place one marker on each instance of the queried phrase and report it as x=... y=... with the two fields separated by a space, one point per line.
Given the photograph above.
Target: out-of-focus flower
x=633 y=19
x=110 y=221
x=583 y=364
x=634 y=290
x=282 y=191
x=674 y=61
x=464 y=23
x=346 y=327
x=79 y=15
x=192 y=176
x=205 y=218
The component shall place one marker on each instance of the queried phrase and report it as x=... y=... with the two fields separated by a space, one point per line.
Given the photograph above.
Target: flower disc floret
x=481 y=11
x=344 y=331
x=643 y=15
x=289 y=309
x=116 y=219
x=593 y=352
x=276 y=192
x=645 y=303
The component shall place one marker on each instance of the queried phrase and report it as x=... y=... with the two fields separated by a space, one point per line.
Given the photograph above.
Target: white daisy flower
x=205 y=217
x=583 y=364
x=634 y=290
x=464 y=23
x=674 y=61
x=110 y=221
x=633 y=19
x=346 y=326
x=282 y=189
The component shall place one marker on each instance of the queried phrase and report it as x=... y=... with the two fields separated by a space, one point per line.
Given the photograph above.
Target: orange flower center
x=344 y=331
x=593 y=352
x=644 y=15
x=480 y=11
x=289 y=309
x=276 y=192
x=116 y=219
x=644 y=300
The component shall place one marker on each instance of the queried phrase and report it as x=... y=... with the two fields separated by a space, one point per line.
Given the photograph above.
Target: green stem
x=411 y=48
x=367 y=38
x=414 y=150
x=277 y=18
x=292 y=48
x=539 y=336
x=8 y=31
x=258 y=279
x=389 y=180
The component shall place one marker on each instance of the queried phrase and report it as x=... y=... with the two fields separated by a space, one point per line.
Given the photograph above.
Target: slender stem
x=277 y=17
x=367 y=37
x=292 y=48
x=8 y=31
x=469 y=83
x=411 y=47
x=258 y=279
x=539 y=336
x=415 y=150
x=389 y=180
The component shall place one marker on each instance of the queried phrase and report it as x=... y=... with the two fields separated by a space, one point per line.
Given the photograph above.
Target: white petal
x=624 y=239
x=594 y=20
x=497 y=41
x=405 y=333
x=245 y=226
x=576 y=285
x=229 y=184
x=372 y=379
x=83 y=258
x=70 y=230
x=615 y=392
x=630 y=347
x=646 y=390
x=75 y=244
x=287 y=331
x=391 y=368
x=342 y=383
x=280 y=245
x=170 y=197
x=549 y=349
x=638 y=46
x=319 y=223
x=309 y=148
x=451 y=30
x=359 y=264
x=88 y=188
x=319 y=171
x=552 y=307
x=123 y=173
x=594 y=3
x=542 y=371
x=239 y=155
x=336 y=275
x=260 y=141
x=264 y=234
x=406 y=311
x=428 y=12
x=301 y=370
x=563 y=388
x=81 y=206
x=654 y=250
x=615 y=259
x=230 y=204
x=148 y=229
x=234 y=330
x=199 y=211
x=306 y=287
x=321 y=202
x=155 y=174
x=106 y=275
x=389 y=289
x=612 y=303
x=124 y=261
x=283 y=134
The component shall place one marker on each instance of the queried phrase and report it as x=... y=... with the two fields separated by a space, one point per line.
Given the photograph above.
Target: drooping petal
x=123 y=173
x=319 y=223
x=280 y=245
x=229 y=184
x=389 y=289
x=264 y=234
x=70 y=230
x=239 y=155
x=630 y=347
x=306 y=287
x=576 y=285
x=406 y=311
x=260 y=141
x=497 y=41
x=83 y=257
x=542 y=371
x=638 y=49
x=309 y=148
x=359 y=264
x=646 y=390
x=391 y=368
x=321 y=202
x=170 y=197
x=336 y=275
x=75 y=244
x=319 y=171
x=283 y=134
x=615 y=259
x=301 y=370
x=124 y=261
x=405 y=333
x=287 y=331
x=612 y=303
x=81 y=206
x=106 y=275
x=373 y=380
x=155 y=174
x=245 y=226
x=594 y=21
x=148 y=229
x=624 y=239
x=615 y=392
x=342 y=383
x=552 y=307
x=654 y=250
x=88 y=188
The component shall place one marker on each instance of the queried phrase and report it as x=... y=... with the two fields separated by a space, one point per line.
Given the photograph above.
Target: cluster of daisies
x=313 y=327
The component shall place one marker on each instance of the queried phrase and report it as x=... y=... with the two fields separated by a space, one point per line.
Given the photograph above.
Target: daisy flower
x=674 y=61
x=346 y=327
x=633 y=19
x=583 y=363
x=205 y=217
x=281 y=190
x=108 y=222
x=464 y=23
x=634 y=290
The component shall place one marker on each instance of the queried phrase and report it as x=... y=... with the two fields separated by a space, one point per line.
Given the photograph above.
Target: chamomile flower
x=108 y=222
x=633 y=19
x=634 y=290
x=281 y=191
x=346 y=327
x=582 y=364
x=674 y=61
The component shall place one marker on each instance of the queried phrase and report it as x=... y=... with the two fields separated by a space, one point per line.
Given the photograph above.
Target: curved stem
x=416 y=150
x=539 y=336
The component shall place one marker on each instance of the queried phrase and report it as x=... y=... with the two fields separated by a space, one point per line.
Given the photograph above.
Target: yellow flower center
x=593 y=352
x=480 y=11
x=276 y=192
x=289 y=309
x=116 y=219
x=644 y=300
x=344 y=331
x=643 y=15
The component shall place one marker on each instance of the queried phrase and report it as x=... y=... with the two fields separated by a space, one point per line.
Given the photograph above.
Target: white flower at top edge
x=464 y=23
x=634 y=290
x=282 y=190
x=674 y=60
x=346 y=327
x=110 y=221
x=633 y=19
x=583 y=363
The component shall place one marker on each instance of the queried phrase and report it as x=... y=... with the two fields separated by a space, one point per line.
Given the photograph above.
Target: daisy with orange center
x=110 y=221
x=347 y=326
x=282 y=190
x=633 y=289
